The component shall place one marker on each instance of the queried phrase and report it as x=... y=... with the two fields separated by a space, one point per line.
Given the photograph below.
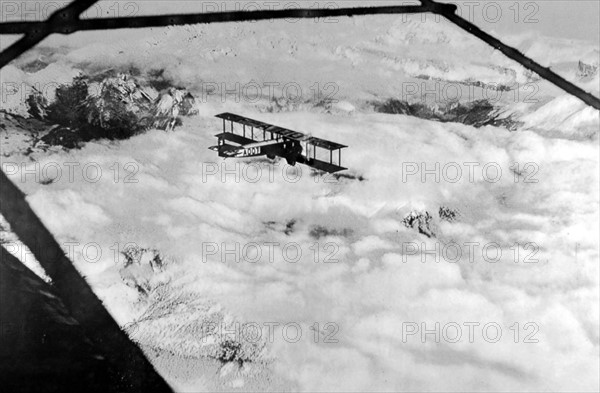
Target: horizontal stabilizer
x=240 y=140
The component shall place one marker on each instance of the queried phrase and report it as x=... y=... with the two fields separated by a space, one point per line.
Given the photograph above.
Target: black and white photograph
x=299 y=196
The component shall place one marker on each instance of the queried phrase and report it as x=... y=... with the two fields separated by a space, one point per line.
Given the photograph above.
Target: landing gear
x=290 y=161
x=271 y=156
x=293 y=154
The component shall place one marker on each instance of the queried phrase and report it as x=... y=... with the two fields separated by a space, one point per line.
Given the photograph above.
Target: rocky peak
x=109 y=105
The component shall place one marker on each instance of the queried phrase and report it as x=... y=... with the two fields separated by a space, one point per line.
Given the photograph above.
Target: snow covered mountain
x=452 y=147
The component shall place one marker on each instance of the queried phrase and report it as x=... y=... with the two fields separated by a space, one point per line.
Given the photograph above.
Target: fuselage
x=288 y=149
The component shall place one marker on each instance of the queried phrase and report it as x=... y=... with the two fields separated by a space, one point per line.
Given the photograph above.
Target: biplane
x=262 y=139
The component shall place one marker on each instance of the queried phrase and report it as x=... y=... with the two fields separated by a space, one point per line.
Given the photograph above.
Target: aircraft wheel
x=271 y=156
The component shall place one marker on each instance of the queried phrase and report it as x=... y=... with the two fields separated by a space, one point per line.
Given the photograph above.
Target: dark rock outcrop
x=477 y=113
x=421 y=221
x=586 y=70
x=108 y=106
x=448 y=214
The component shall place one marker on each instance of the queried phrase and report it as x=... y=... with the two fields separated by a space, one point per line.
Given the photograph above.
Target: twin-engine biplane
x=262 y=139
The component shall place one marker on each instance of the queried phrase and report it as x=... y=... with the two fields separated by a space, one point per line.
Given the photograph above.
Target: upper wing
x=243 y=120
